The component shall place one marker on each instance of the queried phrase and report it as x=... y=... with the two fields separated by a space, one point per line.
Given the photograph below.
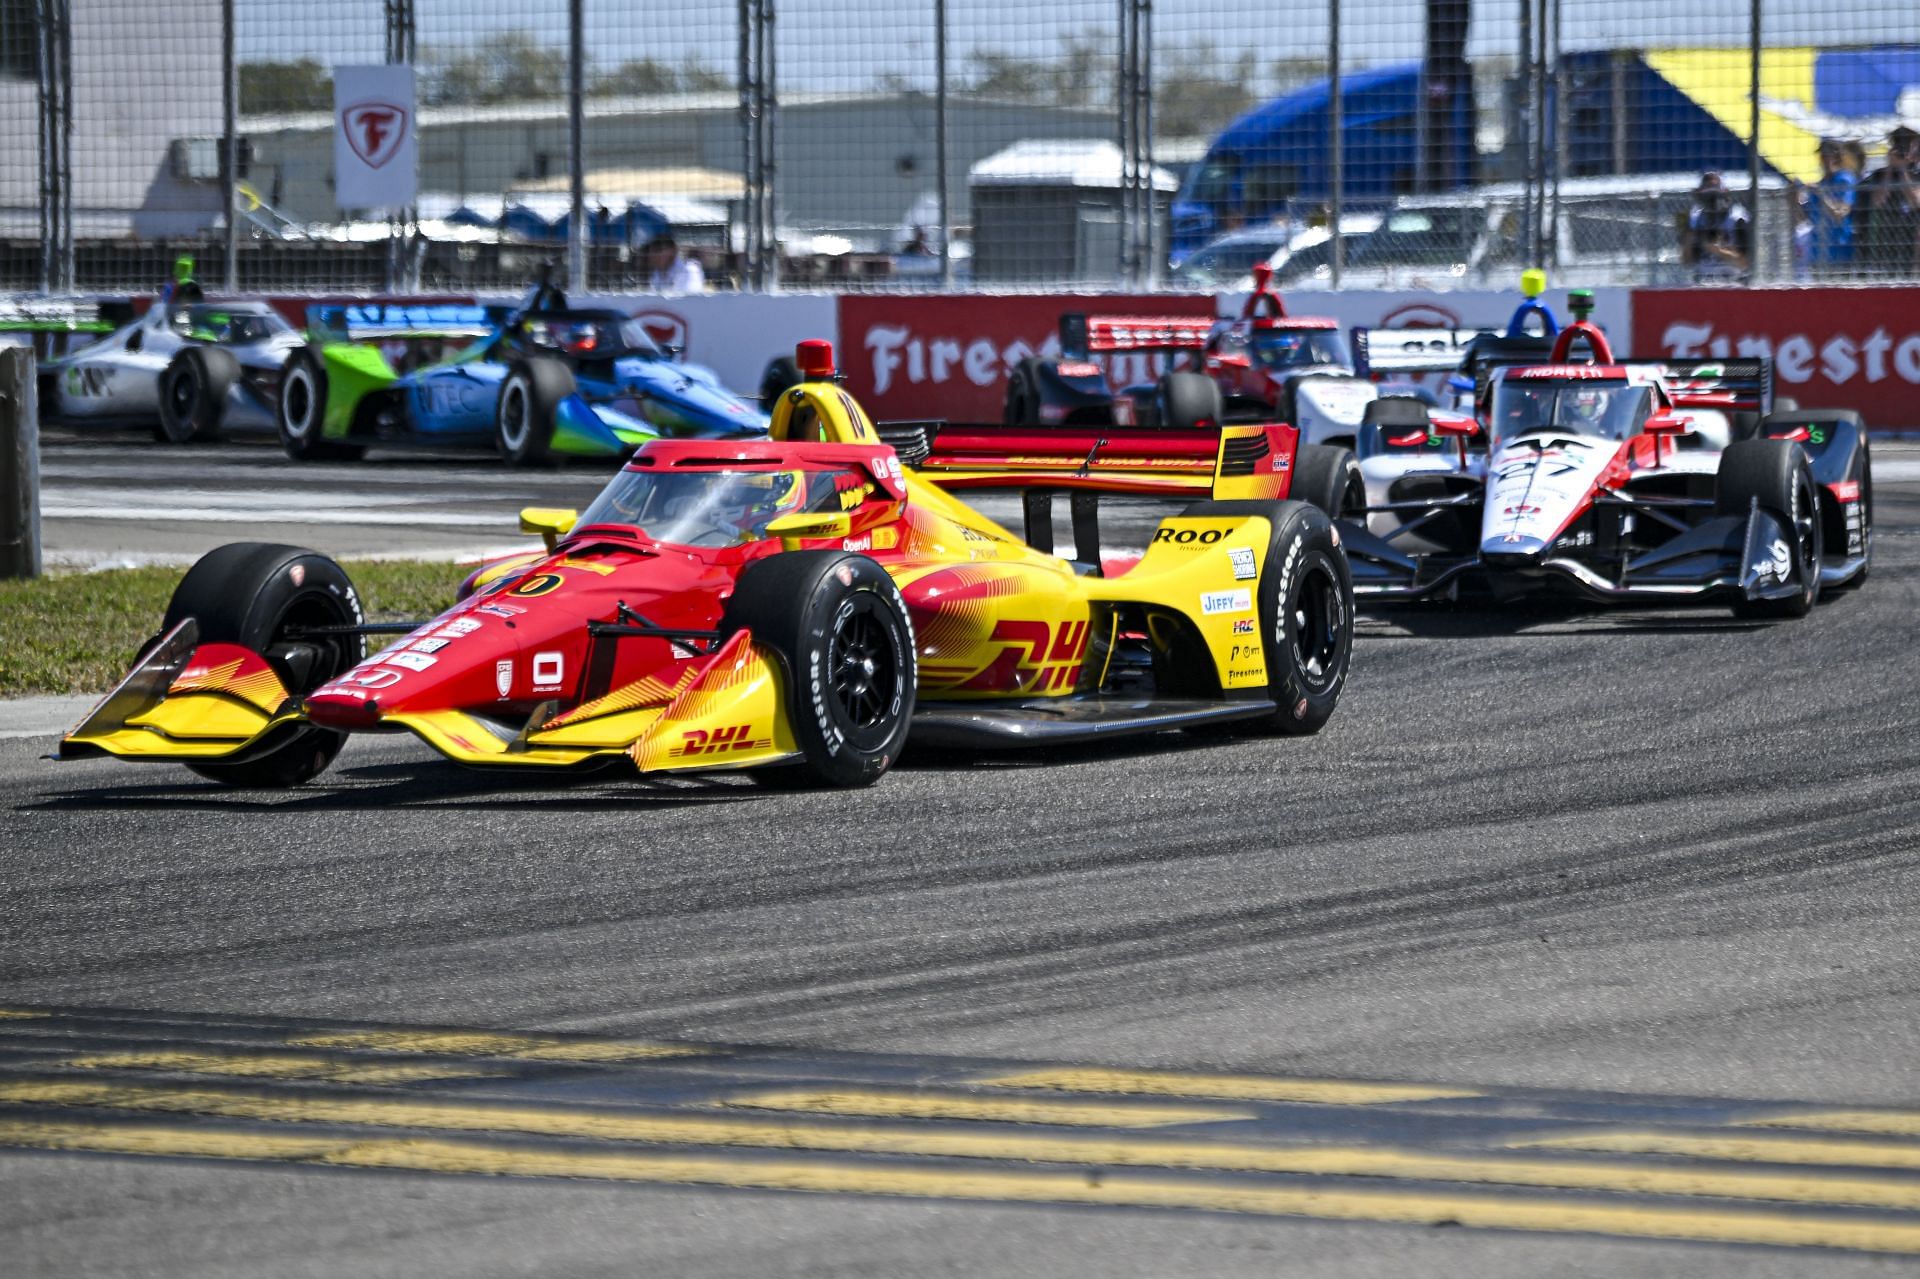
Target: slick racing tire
x=1776 y=475
x=840 y=628
x=523 y=418
x=302 y=410
x=256 y=594
x=1306 y=611
x=1022 y=407
x=193 y=394
x=781 y=376
x=1187 y=400
x=1329 y=478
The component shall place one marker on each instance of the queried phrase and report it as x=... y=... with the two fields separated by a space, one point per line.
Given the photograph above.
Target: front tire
x=840 y=628
x=524 y=416
x=1775 y=474
x=255 y=594
x=301 y=412
x=193 y=394
x=1022 y=406
x=1329 y=478
x=1306 y=611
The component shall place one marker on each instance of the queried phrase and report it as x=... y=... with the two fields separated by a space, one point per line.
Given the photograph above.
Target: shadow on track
x=1538 y=619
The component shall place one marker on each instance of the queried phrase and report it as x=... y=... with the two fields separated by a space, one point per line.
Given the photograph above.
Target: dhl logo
x=1038 y=656
x=720 y=741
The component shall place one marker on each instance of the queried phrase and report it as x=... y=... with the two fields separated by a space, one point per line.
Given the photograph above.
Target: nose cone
x=1513 y=550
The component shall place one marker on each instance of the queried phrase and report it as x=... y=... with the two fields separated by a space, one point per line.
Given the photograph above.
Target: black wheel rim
x=333 y=655
x=183 y=393
x=1314 y=623
x=864 y=669
x=1806 y=529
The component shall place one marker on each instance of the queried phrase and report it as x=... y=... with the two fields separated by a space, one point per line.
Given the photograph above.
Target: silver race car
x=189 y=368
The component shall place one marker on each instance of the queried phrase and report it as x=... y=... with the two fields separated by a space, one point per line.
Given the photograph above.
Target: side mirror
x=550 y=523
x=793 y=529
x=1666 y=424
x=1459 y=427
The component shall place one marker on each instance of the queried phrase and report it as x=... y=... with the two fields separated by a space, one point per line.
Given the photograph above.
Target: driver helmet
x=1586 y=404
x=750 y=500
x=577 y=339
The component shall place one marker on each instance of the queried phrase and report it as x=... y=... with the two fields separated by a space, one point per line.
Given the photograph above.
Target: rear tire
x=1776 y=475
x=781 y=376
x=252 y=593
x=1329 y=478
x=841 y=630
x=1185 y=401
x=1306 y=611
x=301 y=412
x=523 y=418
x=193 y=394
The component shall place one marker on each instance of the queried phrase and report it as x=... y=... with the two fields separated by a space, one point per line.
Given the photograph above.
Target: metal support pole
x=1336 y=155
x=940 y=140
x=1123 y=102
x=1540 y=133
x=749 y=160
x=1558 y=123
x=19 y=465
x=1150 y=276
x=229 y=147
x=401 y=266
x=576 y=151
x=54 y=63
x=1754 y=235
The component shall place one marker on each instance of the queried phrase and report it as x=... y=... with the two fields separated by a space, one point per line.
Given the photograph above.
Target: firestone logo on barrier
x=1839 y=358
x=898 y=352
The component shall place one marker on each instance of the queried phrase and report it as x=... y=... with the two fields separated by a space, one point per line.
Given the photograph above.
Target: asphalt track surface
x=1578 y=943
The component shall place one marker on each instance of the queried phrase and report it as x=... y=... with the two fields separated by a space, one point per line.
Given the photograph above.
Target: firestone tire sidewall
x=1307 y=585
x=839 y=751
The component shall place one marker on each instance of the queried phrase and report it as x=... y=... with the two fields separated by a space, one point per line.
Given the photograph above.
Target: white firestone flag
x=375 y=159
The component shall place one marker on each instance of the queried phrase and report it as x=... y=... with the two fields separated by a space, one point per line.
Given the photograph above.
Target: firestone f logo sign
x=375 y=131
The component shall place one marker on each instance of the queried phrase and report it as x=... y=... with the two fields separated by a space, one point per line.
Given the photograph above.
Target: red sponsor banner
x=947 y=356
x=1832 y=348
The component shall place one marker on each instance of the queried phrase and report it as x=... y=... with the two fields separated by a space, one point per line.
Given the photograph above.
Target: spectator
x=667 y=271
x=1829 y=204
x=1890 y=208
x=1718 y=241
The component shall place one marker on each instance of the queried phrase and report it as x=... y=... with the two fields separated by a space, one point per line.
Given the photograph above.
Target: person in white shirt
x=668 y=272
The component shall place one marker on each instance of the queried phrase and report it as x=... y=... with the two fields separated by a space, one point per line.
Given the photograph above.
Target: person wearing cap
x=1829 y=204
x=667 y=271
x=1718 y=240
x=1890 y=208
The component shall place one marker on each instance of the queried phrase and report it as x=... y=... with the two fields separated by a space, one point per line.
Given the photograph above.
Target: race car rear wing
x=1240 y=461
x=1733 y=386
x=1083 y=336
x=384 y=321
x=1388 y=352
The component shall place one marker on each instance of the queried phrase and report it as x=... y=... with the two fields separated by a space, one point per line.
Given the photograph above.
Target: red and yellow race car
x=796 y=606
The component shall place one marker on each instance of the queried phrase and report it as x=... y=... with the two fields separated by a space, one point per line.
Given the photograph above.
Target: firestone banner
x=1843 y=348
x=375 y=157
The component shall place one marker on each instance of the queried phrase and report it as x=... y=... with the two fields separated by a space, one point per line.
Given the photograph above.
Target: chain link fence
x=939 y=144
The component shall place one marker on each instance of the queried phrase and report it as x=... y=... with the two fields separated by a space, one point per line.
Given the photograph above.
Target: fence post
x=19 y=465
x=576 y=148
x=1336 y=157
x=229 y=150
x=940 y=159
x=1754 y=237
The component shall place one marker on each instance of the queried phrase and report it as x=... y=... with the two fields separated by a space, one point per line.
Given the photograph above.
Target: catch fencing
x=932 y=145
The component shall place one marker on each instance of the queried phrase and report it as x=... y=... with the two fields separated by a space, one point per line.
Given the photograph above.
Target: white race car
x=188 y=367
x=1614 y=480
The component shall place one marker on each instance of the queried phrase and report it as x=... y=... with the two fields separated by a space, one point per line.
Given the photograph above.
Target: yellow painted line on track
x=1757 y=1148
x=987 y=1185
x=487 y=1044
x=1006 y=1110
x=1119 y=1152
x=1886 y=1123
x=1330 y=1092
x=19 y=1014
x=280 y=1066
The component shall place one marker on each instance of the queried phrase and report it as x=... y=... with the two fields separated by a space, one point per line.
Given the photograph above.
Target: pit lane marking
x=1894 y=1123
x=1011 y=1110
x=1744 y=1148
x=1122 y=1189
x=1329 y=1092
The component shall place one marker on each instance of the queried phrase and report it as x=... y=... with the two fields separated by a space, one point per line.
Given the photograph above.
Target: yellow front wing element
x=186 y=701
x=732 y=716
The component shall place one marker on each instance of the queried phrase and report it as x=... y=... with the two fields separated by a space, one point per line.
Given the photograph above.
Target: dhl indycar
x=1614 y=480
x=797 y=606
x=1266 y=365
